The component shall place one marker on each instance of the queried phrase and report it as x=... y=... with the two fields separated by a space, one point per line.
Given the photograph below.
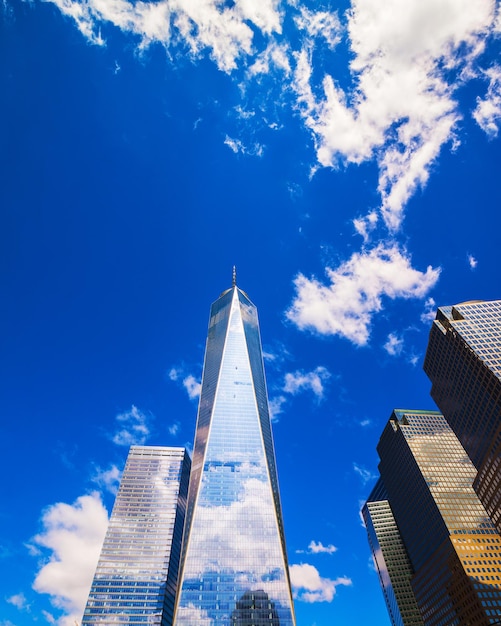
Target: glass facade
x=136 y=577
x=463 y=362
x=453 y=546
x=391 y=560
x=234 y=565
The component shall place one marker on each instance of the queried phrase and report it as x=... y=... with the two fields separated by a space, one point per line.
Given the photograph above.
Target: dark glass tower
x=234 y=566
x=136 y=576
x=452 y=545
x=463 y=362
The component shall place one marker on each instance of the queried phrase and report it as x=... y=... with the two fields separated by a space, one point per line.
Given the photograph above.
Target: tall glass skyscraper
x=234 y=565
x=453 y=547
x=136 y=577
x=391 y=560
x=463 y=362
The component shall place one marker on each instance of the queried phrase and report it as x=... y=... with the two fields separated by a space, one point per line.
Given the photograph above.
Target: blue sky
x=345 y=157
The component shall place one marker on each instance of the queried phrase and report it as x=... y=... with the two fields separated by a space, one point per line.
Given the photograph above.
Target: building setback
x=136 y=576
x=234 y=569
x=463 y=362
x=453 y=547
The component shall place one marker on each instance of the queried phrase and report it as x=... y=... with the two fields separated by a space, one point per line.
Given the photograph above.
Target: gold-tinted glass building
x=463 y=362
x=453 y=547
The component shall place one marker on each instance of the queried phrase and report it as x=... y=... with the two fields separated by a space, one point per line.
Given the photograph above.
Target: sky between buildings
x=345 y=157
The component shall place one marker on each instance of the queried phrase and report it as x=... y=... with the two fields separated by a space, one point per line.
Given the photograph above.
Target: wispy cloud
x=364 y=474
x=237 y=146
x=472 y=261
x=488 y=111
x=320 y=24
x=200 y=27
x=345 y=306
x=317 y=547
x=174 y=428
x=72 y=535
x=298 y=382
x=430 y=311
x=276 y=355
x=191 y=384
x=394 y=344
x=108 y=479
x=133 y=428
x=49 y=618
x=276 y=405
x=364 y=226
x=407 y=62
x=310 y=587
x=19 y=601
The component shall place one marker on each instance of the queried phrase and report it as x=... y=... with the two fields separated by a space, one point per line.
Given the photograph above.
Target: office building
x=453 y=547
x=234 y=567
x=136 y=577
x=391 y=560
x=463 y=362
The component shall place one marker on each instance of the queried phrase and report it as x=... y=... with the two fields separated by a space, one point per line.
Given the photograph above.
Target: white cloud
x=365 y=423
x=298 y=382
x=301 y=381
x=345 y=307
x=274 y=57
x=237 y=146
x=133 y=428
x=225 y=32
x=73 y=535
x=430 y=311
x=488 y=111
x=276 y=407
x=49 y=617
x=316 y=547
x=365 y=225
x=32 y=550
x=394 y=345
x=408 y=60
x=108 y=479
x=174 y=428
x=19 y=601
x=320 y=24
x=175 y=373
x=365 y=474
x=414 y=360
x=269 y=356
x=192 y=386
x=310 y=587
x=472 y=261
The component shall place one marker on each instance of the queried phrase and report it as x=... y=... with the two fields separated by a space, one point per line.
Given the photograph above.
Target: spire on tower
x=234 y=277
